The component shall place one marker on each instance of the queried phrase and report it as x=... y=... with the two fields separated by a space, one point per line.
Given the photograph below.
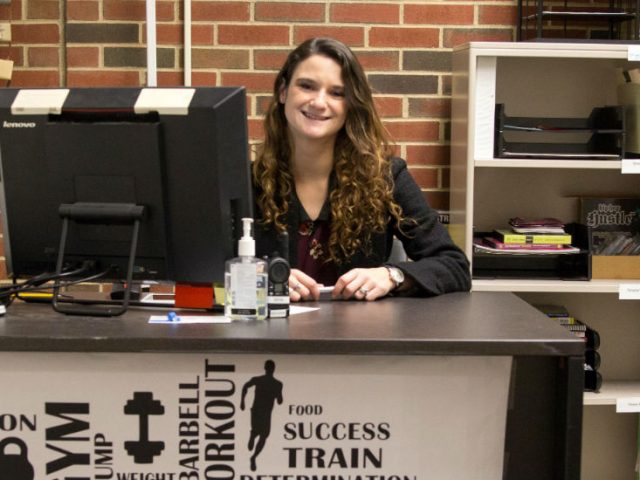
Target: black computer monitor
x=181 y=154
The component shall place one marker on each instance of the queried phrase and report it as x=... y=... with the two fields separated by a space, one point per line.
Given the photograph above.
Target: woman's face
x=314 y=102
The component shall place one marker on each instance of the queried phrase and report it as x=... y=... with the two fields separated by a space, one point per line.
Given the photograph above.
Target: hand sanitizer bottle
x=245 y=280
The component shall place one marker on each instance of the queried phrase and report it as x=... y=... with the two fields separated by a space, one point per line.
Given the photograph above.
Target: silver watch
x=396 y=275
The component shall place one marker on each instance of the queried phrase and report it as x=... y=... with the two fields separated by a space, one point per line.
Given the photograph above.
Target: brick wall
x=404 y=46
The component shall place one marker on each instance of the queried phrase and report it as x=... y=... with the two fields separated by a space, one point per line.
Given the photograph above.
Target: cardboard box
x=621 y=267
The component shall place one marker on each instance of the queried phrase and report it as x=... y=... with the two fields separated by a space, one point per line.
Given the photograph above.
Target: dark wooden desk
x=545 y=414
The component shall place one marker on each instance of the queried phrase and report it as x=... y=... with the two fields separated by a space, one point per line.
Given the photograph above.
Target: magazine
x=614 y=224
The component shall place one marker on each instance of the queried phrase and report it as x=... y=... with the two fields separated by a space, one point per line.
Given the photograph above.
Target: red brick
x=3 y=269
x=35 y=33
x=83 y=57
x=85 y=10
x=165 y=11
x=352 y=36
x=269 y=59
x=136 y=10
x=169 y=34
x=262 y=103
x=124 y=10
x=438 y=14
x=445 y=82
x=445 y=177
x=379 y=61
x=43 y=57
x=170 y=79
x=388 y=106
x=201 y=34
x=35 y=78
x=12 y=53
x=5 y=12
x=217 y=11
x=438 y=200
x=43 y=10
x=207 y=58
x=414 y=131
x=204 y=79
x=105 y=78
x=255 y=129
x=428 y=154
x=425 y=177
x=497 y=15
x=459 y=36
x=365 y=13
x=404 y=37
x=430 y=107
x=250 y=34
x=12 y=11
x=253 y=82
x=289 y=11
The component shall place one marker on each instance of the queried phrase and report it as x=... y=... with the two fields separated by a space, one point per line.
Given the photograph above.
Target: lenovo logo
x=6 y=124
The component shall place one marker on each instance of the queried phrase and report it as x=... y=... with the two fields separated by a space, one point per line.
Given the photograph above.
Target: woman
x=326 y=175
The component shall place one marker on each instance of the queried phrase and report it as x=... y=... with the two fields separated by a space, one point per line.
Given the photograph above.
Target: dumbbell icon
x=143 y=450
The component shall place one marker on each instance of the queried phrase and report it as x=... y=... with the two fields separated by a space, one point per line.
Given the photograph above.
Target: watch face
x=396 y=275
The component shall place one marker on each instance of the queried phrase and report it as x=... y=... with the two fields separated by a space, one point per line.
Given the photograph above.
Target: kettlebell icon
x=14 y=466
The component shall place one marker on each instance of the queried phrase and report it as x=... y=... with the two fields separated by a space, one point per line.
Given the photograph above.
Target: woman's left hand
x=363 y=284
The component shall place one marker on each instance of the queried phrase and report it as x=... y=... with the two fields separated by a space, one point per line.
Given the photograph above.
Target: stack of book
x=529 y=237
x=592 y=377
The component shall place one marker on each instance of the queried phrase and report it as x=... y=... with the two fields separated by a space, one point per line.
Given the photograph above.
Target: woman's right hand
x=302 y=286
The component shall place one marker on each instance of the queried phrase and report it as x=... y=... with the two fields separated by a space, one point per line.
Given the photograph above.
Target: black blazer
x=437 y=265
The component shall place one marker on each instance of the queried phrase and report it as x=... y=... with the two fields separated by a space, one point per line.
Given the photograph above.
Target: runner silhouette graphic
x=267 y=391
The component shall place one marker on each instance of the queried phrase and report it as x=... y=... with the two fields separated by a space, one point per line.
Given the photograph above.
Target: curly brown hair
x=362 y=202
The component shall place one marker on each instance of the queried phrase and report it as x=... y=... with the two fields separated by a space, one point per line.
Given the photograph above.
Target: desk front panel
x=179 y=416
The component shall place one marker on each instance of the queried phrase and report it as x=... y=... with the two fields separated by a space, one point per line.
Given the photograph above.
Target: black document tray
x=601 y=136
x=574 y=266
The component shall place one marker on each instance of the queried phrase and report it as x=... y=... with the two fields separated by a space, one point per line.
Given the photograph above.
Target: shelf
x=611 y=392
x=558 y=49
x=569 y=15
x=545 y=163
x=550 y=285
x=537 y=18
x=556 y=80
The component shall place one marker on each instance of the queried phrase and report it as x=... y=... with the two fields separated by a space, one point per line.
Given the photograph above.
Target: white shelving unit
x=550 y=80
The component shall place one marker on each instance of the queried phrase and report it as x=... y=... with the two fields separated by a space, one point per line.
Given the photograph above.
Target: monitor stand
x=103 y=213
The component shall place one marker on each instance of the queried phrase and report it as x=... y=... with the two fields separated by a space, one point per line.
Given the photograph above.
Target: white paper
x=628 y=405
x=629 y=291
x=631 y=165
x=633 y=53
x=182 y=319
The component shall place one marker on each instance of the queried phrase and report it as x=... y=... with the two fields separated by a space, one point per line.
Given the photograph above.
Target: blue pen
x=173 y=317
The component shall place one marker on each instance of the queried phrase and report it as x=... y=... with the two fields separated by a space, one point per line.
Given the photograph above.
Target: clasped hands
x=358 y=283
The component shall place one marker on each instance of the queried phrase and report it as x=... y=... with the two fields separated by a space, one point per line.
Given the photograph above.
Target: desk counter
x=459 y=324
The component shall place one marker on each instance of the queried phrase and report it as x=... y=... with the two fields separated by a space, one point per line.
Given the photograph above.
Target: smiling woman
x=326 y=175
x=314 y=104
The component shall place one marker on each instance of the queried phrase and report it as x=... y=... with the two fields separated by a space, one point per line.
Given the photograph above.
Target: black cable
x=35 y=284
x=43 y=278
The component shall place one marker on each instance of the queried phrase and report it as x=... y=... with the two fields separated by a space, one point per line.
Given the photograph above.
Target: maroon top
x=313 y=239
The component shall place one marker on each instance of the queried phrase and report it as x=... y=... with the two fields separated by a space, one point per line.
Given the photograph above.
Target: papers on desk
x=177 y=319
x=180 y=319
